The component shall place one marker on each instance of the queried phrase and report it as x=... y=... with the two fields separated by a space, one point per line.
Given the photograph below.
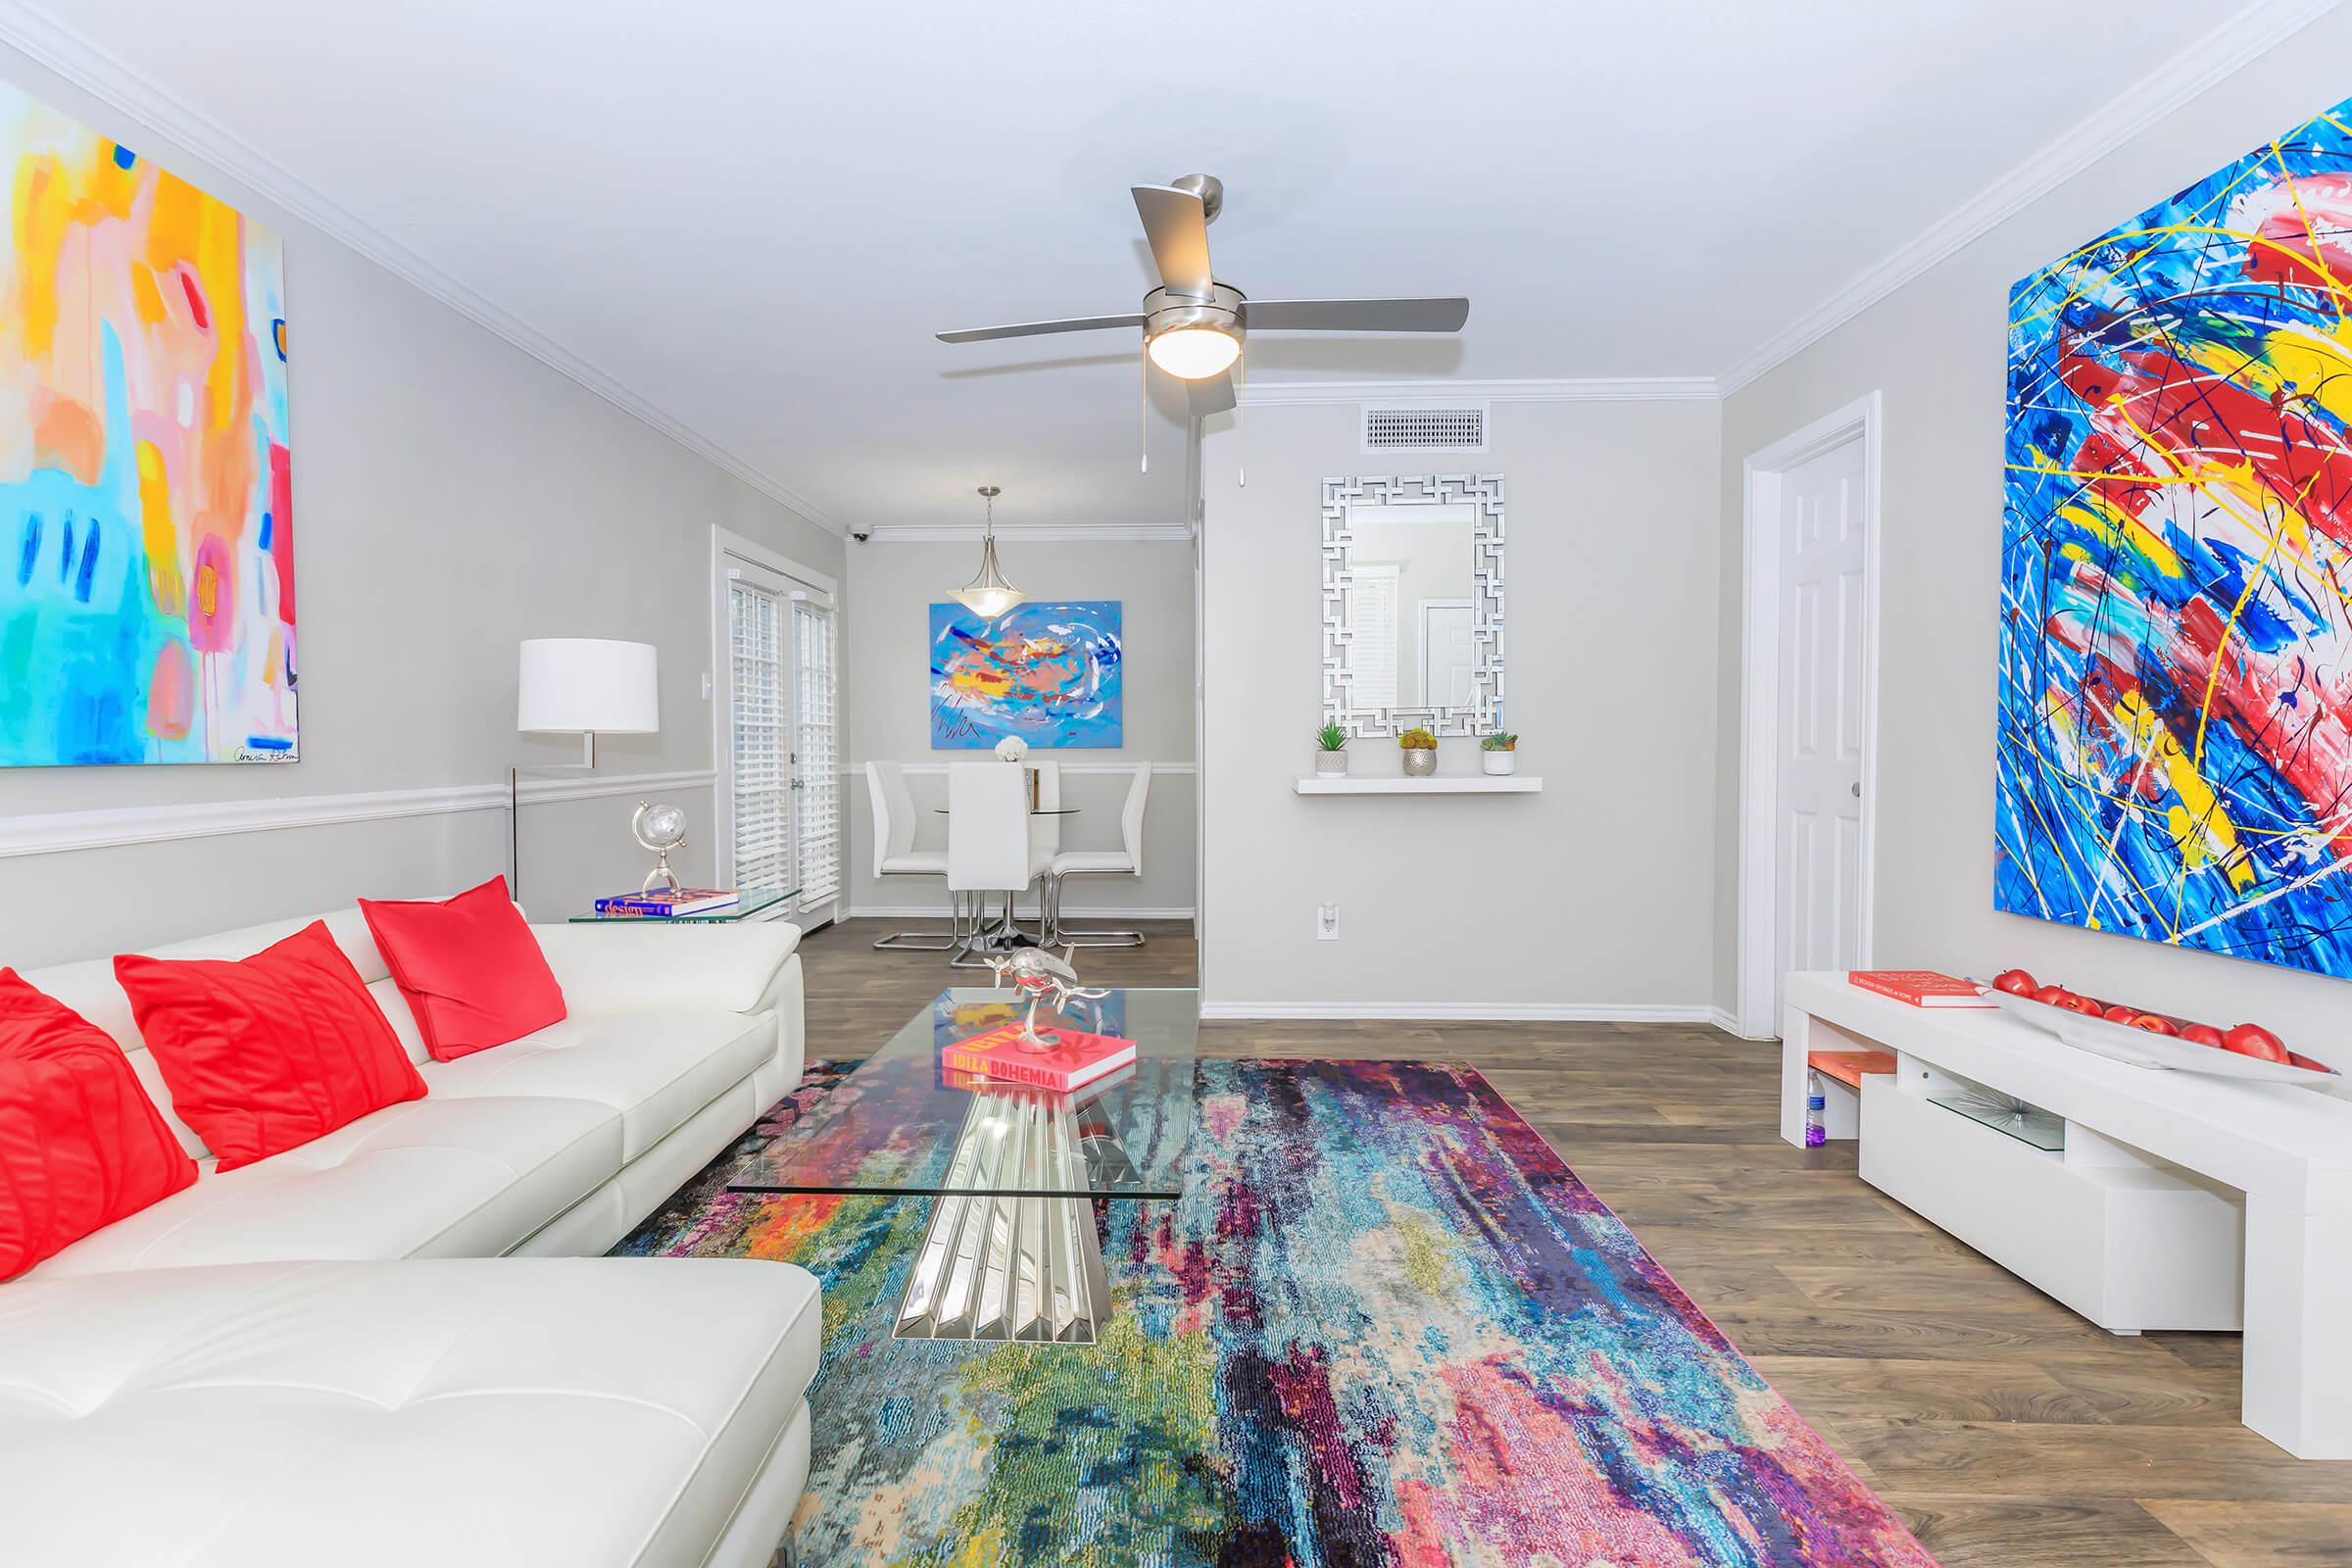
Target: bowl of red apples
x=2147 y=1039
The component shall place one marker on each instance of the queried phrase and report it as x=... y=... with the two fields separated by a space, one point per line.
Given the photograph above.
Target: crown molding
x=2220 y=53
x=102 y=74
x=1439 y=389
x=947 y=534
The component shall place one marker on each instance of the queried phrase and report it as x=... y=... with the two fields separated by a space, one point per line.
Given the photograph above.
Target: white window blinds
x=1372 y=657
x=761 y=758
x=819 y=775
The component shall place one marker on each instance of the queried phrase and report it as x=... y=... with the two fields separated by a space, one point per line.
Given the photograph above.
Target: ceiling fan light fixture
x=989 y=594
x=1195 y=352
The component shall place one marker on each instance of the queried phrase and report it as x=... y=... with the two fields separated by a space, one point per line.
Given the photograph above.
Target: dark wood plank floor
x=2007 y=1430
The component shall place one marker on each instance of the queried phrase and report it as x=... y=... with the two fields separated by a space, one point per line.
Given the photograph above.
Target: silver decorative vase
x=1420 y=761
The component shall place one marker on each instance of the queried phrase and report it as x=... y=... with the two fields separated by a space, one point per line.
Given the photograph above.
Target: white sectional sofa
x=395 y=1343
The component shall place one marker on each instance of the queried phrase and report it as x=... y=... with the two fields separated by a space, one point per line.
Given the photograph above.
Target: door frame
x=1422 y=631
x=726 y=547
x=1761 y=475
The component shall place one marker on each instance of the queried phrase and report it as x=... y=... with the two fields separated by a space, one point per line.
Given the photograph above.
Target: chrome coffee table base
x=1000 y=1260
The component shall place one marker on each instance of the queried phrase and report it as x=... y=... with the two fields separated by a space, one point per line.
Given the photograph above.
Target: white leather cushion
x=580 y=1412
x=432 y=1177
x=652 y=1070
x=931 y=861
x=1093 y=860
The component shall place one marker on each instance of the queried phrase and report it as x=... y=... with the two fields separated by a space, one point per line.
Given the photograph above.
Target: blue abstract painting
x=2175 y=640
x=1051 y=674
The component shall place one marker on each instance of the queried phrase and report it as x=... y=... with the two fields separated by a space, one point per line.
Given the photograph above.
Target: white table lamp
x=582 y=686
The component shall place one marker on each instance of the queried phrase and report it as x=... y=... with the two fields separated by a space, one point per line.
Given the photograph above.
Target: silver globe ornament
x=660 y=829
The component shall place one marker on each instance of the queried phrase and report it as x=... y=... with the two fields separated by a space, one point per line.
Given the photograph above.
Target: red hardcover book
x=1078 y=1059
x=1921 y=988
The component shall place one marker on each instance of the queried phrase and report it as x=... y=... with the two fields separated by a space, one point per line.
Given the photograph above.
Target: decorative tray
x=2142 y=1048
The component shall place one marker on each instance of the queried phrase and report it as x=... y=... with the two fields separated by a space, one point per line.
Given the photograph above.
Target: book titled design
x=1078 y=1059
x=666 y=906
x=1921 y=988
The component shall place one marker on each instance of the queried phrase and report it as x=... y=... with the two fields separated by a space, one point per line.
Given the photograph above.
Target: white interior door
x=1446 y=663
x=1819 y=887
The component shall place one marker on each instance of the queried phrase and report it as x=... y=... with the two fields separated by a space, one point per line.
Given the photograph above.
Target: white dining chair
x=895 y=853
x=1127 y=861
x=989 y=849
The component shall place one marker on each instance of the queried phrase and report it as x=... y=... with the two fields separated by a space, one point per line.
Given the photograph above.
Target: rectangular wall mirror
x=1412 y=604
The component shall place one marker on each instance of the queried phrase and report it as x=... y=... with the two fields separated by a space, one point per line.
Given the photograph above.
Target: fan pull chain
x=1142 y=395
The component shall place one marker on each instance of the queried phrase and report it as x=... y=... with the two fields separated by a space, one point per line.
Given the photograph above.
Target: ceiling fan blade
x=1075 y=323
x=1356 y=316
x=1177 y=225
x=1213 y=394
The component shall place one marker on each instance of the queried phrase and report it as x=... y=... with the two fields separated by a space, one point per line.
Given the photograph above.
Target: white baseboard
x=1469 y=1012
x=59 y=832
x=1724 y=1019
x=1073 y=912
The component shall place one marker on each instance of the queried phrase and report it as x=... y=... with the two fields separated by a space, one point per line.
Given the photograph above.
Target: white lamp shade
x=576 y=685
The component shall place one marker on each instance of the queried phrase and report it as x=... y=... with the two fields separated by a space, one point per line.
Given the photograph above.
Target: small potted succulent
x=1420 y=752
x=1498 y=753
x=1331 y=752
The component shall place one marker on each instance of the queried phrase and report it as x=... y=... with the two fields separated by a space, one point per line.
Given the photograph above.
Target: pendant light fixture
x=989 y=594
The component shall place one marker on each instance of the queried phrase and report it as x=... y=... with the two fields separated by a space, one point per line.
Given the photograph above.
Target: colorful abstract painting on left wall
x=146 y=527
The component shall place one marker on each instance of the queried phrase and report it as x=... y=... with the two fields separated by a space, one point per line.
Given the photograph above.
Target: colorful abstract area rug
x=1384 y=1325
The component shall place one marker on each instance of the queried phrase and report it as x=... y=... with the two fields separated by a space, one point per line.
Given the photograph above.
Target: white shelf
x=1439 y=784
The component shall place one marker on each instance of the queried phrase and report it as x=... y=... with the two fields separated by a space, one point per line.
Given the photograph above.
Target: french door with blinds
x=780 y=783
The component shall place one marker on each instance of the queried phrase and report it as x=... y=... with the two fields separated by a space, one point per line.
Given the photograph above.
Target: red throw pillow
x=266 y=1052
x=80 y=1144
x=471 y=968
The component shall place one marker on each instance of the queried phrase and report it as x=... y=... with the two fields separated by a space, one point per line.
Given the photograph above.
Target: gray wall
x=1590 y=897
x=1936 y=349
x=455 y=496
x=887 y=683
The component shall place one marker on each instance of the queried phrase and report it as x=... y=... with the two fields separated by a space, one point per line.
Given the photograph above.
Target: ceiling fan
x=1194 y=326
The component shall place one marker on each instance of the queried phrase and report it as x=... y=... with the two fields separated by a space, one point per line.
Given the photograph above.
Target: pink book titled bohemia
x=1076 y=1059
x=1922 y=988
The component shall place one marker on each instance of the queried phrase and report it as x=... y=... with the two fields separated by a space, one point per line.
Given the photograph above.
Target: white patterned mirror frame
x=1483 y=714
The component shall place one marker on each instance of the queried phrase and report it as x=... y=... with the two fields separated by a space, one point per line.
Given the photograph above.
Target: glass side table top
x=747 y=904
x=900 y=1123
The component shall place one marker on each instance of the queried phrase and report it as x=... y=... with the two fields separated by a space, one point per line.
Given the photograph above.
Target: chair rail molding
x=63 y=832
x=1082 y=770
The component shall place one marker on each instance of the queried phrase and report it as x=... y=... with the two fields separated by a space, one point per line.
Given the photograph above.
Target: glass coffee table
x=1012 y=1173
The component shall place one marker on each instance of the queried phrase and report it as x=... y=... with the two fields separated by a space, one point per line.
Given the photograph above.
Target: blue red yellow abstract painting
x=1051 y=674
x=2176 y=639
x=146 y=499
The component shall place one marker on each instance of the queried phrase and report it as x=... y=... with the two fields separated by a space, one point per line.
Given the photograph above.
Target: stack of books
x=1076 y=1059
x=666 y=906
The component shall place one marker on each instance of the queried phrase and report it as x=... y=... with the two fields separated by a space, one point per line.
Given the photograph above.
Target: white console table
x=2287 y=1150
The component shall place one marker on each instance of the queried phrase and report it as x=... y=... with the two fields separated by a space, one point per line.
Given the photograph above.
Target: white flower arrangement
x=1011 y=748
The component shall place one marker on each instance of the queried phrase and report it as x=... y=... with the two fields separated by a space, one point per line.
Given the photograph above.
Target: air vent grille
x=1461 y=429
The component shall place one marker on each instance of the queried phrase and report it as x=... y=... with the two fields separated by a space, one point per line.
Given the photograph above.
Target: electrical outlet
x=1327 y=923
x=706 y=686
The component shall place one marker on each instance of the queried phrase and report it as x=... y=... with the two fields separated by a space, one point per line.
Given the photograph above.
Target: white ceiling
x=754 y=214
